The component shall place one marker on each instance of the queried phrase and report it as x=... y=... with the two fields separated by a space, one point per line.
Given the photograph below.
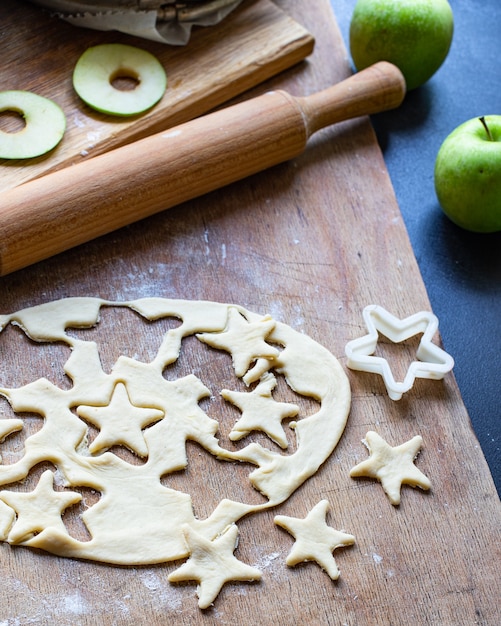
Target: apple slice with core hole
x=118 y=79
x=43 y=125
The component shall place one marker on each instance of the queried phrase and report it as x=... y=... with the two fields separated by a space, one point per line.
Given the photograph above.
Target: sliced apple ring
x=44 y=125
x=100 y=67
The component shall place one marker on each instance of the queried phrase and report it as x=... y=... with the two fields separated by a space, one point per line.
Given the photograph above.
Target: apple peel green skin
x=45 y=124
x=99 y=65
x=414 y=35
x=468 y=175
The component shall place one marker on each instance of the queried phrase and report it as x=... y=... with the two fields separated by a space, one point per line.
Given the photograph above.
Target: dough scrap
x=137 y=519
x=393 y=467
x=315 y=540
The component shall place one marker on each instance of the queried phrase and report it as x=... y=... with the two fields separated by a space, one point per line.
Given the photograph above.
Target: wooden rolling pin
x=71 y=206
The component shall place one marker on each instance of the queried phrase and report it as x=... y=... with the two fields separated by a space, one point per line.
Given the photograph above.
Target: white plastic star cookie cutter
x=433 y=362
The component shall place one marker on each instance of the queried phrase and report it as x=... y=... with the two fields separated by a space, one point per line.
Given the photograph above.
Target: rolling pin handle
x=380 y=87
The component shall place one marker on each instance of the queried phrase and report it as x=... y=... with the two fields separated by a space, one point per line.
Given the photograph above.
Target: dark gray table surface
x=461 y=270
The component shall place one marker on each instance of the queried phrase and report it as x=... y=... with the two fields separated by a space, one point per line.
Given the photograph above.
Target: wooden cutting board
x=39 y=52
x=311 y=242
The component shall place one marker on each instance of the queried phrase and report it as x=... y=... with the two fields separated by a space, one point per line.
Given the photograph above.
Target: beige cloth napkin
x=158 y=20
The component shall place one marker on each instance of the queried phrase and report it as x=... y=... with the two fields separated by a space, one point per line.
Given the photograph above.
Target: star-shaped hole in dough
x=393 y=467
x=315 y=540
x=432 y=361
x=246 y=341
x=120 y=422
x=39 y=509
x=260 y=411
x=212 y=564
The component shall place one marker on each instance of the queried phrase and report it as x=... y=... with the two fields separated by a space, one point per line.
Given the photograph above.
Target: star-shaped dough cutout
x=315 y=540
x=212 y=564
x=260 y=411
x=120 y=422
x=393 y=467
x=432 y=361
x=38 y=509
x=246 y=341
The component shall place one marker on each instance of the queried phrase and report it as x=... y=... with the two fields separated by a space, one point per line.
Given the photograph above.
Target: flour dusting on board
x=267 y=560
x=75 y=604
x=161 y=591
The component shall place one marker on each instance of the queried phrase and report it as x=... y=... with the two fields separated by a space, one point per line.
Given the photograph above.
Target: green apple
x=100 y=67
x=468 y=174
x=43 y=127
x=414 y=35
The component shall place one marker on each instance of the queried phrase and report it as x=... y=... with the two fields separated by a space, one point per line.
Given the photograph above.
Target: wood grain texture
x=39 y=53
x=311 y=242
